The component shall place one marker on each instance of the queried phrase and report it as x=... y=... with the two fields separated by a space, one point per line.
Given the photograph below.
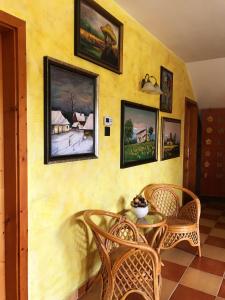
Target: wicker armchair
x=129 y=264
x=183 y=223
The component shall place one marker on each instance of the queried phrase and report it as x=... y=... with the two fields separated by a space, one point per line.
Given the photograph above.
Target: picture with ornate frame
x=171 y=135
x=166 y=85
x=98 y=35
x=139 y=134
x=71 y=112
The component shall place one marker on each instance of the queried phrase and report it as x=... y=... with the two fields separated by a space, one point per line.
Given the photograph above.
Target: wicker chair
x=183 y=222
x=129 y=264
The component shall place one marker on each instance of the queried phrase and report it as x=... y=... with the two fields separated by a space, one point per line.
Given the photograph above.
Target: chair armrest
x=191 y=211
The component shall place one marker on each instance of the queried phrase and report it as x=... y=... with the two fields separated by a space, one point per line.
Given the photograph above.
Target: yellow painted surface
x=58 y=260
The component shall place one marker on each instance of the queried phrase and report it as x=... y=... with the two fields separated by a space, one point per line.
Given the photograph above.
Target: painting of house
x=141 y=136
x=171 y=132
x=59 y=123
x=72 y=102
x=138 y=134
x=89 y=125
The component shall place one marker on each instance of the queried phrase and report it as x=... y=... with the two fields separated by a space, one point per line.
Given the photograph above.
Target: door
x=213 y=153
x=13 y=159
x=190 y=145
x=2 y=227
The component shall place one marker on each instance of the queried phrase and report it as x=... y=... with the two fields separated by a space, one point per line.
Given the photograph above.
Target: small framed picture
x=71 y=113
x=166 y=85
x=98 y=35
x=171 y=134
x=139 y=131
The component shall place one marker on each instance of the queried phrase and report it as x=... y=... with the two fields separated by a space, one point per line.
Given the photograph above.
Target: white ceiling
x=195 y=31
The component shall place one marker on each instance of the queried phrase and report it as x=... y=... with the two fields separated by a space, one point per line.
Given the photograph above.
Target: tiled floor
x=188 y=277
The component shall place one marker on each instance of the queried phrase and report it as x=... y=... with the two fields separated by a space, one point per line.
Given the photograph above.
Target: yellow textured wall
x=57 y=256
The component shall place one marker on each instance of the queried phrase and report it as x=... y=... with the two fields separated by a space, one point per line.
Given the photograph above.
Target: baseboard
x=82 y=289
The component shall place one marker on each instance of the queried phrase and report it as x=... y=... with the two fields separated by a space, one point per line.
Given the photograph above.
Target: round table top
x=152 y=219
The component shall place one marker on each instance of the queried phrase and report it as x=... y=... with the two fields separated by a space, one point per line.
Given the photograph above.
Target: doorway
x=13 y=158
x=190 y=145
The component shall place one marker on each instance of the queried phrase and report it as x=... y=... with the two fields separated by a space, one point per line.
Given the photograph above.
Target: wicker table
x=153 y=226
x=152 y=220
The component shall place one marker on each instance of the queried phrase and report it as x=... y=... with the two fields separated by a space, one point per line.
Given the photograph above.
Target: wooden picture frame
x=98 y=36
x=139 y=134
x=71 y=112
x=171 y=137
x=166 y=85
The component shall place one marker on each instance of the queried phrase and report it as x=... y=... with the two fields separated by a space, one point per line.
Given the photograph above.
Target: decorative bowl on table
x=139 y=206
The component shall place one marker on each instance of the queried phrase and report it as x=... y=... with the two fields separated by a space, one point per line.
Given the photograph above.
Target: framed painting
x=98 y=35
x=171 y=134
x=139 y=131
x=166 y=85
x=71 y=114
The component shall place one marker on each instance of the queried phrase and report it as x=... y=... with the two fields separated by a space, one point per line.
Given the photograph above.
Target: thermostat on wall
x=107 y=121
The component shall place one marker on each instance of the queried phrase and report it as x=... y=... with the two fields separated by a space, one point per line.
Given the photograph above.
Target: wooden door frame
x=13 y=31
x=194 y=147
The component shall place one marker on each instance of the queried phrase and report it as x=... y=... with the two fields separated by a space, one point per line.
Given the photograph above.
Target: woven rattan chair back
x=183 y=223
x=163 y=199
x=127 y=265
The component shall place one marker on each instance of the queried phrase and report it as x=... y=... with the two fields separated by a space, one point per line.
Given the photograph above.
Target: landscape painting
x=99 y=36
x=171 y=132
x=70 y=112
x=166 y=85
x=138 y=134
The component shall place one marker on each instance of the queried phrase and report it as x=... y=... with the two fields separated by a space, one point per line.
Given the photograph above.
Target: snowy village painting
x=98 y=35
x=70 y=112
x=171 y=131
x=138 y=134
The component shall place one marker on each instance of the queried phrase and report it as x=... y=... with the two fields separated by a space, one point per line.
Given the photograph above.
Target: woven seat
x=128 y=265
x=183 y=222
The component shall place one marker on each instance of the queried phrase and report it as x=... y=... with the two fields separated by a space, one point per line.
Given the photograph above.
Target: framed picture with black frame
x=166 y=85
x=98 y=35
x=139 y=134
x=70 y=112
x=171 y=136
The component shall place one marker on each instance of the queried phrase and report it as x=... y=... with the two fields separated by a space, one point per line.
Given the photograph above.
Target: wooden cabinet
x=213 y=153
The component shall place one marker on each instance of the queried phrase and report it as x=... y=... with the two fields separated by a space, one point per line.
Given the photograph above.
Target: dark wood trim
x=15 y=155
x=190 y=144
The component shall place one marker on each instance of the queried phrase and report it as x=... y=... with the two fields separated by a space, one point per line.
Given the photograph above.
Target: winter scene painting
x=70 y=112
x=99 y=35
x=171 y=130
x=138 y=134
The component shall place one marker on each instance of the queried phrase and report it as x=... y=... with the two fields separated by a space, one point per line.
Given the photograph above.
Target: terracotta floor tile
x=220 y=225
x=203 y=237
x=172 y=271
x=186 y=293
x=185 y=246
x=222 y=290
x=209 y=265
x=213 y=252
x=134 y=296
x=207 y=222
x=176 y=255
x=209 y=216
x=204 y=229
x=211 y=211
x=168 y=286
x=218 y=232
x=197 y=279
x=215 y=241
x=219 y=298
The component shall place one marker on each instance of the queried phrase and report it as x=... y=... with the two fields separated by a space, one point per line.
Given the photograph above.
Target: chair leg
x=199 y=251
